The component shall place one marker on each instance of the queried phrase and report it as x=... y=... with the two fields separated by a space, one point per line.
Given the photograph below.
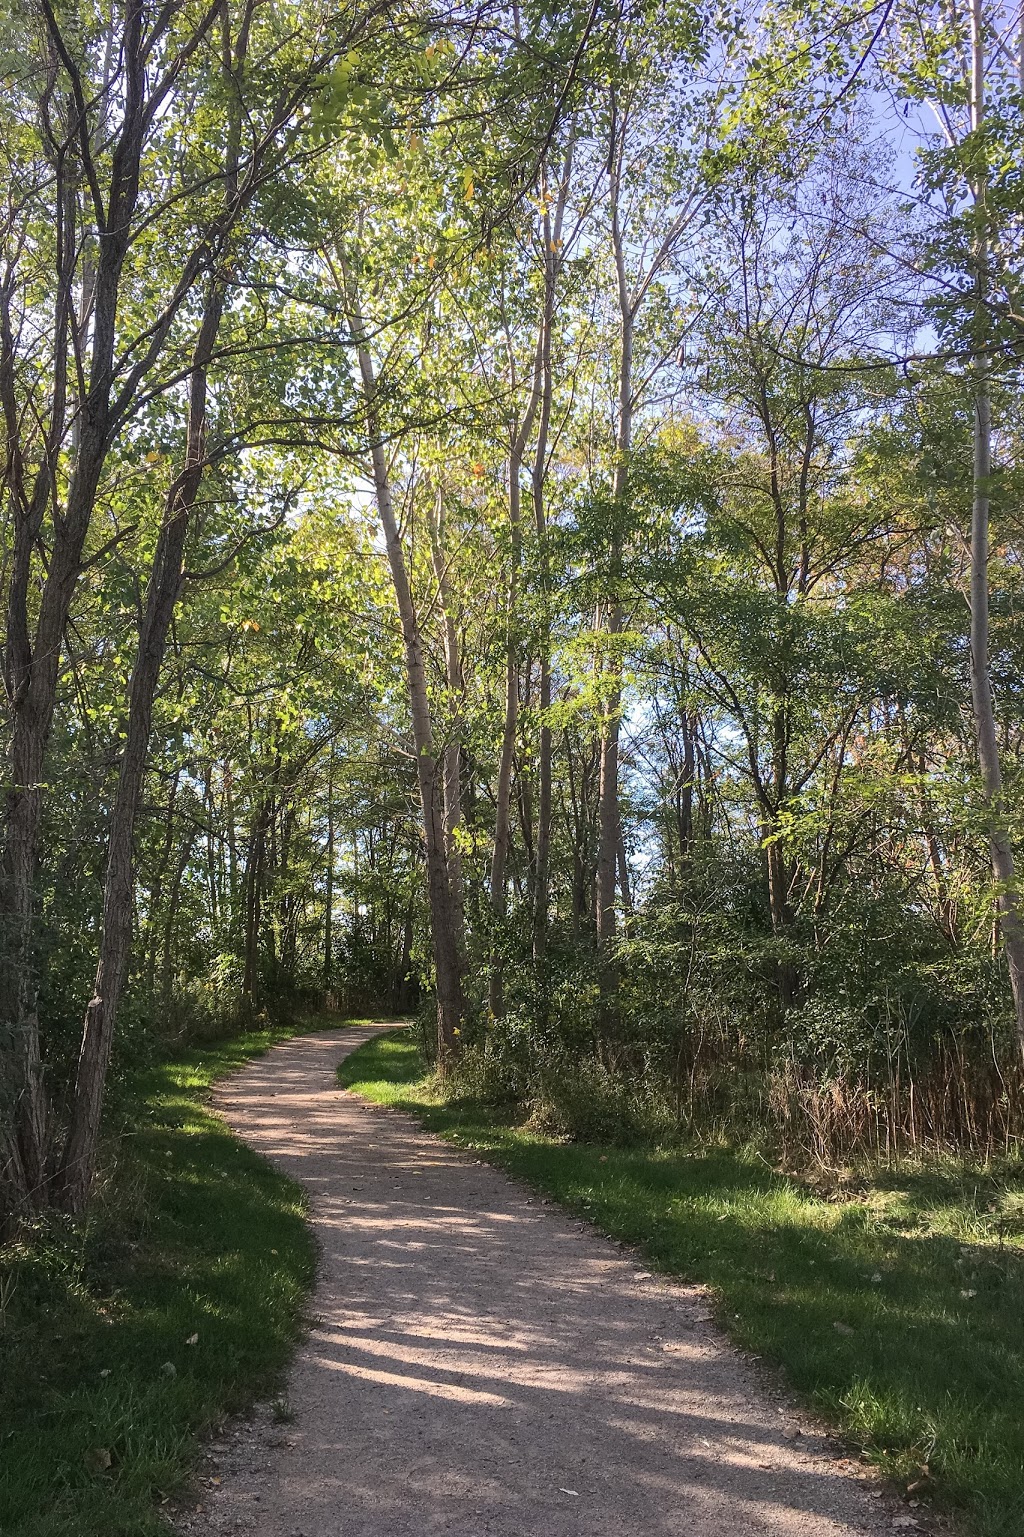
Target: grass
x=175 y=1303
x=895 y=1308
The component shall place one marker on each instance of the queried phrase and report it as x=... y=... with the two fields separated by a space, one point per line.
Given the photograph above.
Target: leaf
x=98 y=1459
x=169 y=1369
x=843 y=1329
x=193 y=1339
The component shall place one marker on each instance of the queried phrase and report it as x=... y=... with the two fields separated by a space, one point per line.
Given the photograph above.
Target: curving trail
x=485 y=1366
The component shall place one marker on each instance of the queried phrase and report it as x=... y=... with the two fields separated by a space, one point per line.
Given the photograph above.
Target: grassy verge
x=175 y=1303
x=896 y=1308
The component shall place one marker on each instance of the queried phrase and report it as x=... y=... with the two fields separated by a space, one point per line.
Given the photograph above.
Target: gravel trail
x=484 y=1365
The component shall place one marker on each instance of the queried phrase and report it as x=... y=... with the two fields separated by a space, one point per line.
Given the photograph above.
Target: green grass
x=101 y=1394
x=923 y=1271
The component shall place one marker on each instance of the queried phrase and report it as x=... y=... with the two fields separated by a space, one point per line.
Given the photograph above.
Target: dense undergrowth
x=174 y=1303
x=892 y=1044
x=893 y=1299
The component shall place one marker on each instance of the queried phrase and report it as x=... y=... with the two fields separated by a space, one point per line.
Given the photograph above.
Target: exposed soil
x=483 y=1364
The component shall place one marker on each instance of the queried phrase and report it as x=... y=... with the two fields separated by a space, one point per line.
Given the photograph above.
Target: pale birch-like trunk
x=542 y=865
x=1000 y=847
x=608 y=784
x=445 y=935
x=538 y=410
x=451 y=757
x=329 y=893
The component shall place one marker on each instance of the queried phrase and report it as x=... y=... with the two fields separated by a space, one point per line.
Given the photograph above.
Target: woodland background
x=514 y=512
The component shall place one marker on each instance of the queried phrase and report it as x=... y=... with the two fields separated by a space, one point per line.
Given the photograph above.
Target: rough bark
x=165 y=579
x=32 y=663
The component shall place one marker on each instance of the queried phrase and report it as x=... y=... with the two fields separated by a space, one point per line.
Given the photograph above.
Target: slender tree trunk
x=608 y=784
x=157 y=888
x=31 y=674
x=32 y=666
x=212 y=879
x=624 y=882
x=451 y=758
x=79 y=1159
x=231 y=829
x=608 y=808
x=1000 y=847
x=445 y=935
x=253 y=885
x=170 y=923
x=684 y=798
x=506 y=763
x=329 y=894
x=542 y=867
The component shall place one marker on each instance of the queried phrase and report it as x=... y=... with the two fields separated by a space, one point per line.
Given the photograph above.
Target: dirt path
x=483 y=1365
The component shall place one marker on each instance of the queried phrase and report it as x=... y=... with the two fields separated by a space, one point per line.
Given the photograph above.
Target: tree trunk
x=608 y=784
x=253 y=886
x=329 y=894
x=503 y=796
x=452 y=755
x=170 y=920
x=79 y=1160
x=32 y=665
x=445 y=934
x=1000 y=848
